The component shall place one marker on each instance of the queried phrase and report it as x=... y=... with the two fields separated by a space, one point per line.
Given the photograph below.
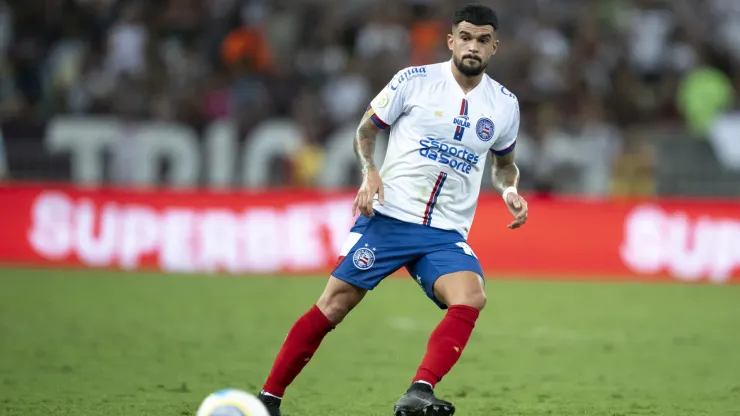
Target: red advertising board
x=302 y=231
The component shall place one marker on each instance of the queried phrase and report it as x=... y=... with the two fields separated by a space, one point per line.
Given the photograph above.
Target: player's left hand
x=518 y=208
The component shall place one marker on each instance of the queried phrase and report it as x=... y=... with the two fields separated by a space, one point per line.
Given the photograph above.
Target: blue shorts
x=380 y=245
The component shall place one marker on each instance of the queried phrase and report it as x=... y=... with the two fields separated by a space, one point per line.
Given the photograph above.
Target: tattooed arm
x=504 y=172
x=364 y=145
x=505 y=175
x=383 y=111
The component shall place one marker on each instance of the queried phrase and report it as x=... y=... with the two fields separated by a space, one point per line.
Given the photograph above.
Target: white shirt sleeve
x=390 y=103
x=506 y=142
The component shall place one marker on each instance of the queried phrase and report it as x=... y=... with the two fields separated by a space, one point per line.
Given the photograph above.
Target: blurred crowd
x=593 y=77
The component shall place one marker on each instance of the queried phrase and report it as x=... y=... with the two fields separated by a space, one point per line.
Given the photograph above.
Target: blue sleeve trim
x=506 y=151
x=378 y=122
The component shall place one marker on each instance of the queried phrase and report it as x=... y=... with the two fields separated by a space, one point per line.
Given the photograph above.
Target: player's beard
x=468 y=70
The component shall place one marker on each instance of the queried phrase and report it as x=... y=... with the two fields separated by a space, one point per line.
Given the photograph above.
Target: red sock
x=302 y=341
x=446 y=343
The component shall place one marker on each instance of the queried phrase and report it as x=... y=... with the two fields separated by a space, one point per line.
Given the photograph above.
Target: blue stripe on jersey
x=459 y=131
x=442 y=179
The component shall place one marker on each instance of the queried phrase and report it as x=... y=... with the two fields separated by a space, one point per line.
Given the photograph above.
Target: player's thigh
x=451 y=275
x=338 y=299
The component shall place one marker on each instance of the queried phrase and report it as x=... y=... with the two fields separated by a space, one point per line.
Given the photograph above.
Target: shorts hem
x=352 y=281
x=430 y=293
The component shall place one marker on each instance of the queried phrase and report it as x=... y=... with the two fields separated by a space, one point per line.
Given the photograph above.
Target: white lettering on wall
x=688 y=249
x=299 y=237
x=221 y=159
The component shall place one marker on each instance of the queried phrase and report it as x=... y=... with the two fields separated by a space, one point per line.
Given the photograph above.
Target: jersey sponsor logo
x=458 y=158
x=406 y=75
x=364 y=258
x=462 y=121
x=485 y=129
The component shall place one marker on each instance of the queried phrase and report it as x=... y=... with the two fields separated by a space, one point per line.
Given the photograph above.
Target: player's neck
x=465 y=82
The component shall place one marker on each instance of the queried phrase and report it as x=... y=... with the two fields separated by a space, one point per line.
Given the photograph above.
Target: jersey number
x=466 y=248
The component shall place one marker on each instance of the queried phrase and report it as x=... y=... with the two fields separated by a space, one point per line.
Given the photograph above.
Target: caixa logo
x=458 y=158
x=406 y=75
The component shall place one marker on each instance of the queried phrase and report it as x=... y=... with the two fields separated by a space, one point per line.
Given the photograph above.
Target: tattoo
x=364 y=143
x=505 y=173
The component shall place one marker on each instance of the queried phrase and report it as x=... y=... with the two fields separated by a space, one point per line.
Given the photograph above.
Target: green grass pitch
x=97 y=343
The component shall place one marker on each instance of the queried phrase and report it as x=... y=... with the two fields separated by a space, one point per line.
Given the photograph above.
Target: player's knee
x=338 y=299
x=335 y=308
x=461 y=289
x=475 y=300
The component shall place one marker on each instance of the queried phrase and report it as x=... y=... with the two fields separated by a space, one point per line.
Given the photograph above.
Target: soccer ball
x=232 y=402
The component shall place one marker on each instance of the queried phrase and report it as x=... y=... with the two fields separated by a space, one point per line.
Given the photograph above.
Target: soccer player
x=417 y=210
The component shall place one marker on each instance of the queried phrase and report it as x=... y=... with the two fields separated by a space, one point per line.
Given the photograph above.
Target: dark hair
x=476 y=14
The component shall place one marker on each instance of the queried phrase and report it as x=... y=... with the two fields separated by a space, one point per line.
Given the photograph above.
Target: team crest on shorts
x=364 y=258
x=484 y=128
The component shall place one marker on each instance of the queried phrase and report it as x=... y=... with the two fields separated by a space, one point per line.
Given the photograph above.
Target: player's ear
x=495 y=47
x=450 y=41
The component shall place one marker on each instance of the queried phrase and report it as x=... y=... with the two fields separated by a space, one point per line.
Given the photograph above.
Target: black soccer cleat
x=419 y=400
x=272 y=404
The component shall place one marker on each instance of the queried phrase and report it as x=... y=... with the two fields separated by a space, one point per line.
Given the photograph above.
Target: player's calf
x=305 y=337
x=463 y=294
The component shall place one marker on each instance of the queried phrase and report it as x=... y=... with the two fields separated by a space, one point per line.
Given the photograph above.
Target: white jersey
x=439 y=141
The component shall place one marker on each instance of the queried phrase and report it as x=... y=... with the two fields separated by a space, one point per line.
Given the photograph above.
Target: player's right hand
x=371 y=184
